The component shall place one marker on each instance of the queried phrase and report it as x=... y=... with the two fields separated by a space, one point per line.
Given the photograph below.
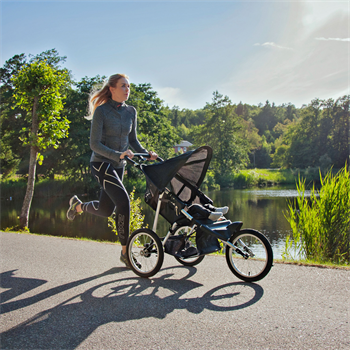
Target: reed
x=321 y=223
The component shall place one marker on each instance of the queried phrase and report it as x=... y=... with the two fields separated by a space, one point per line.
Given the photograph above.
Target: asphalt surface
x=59 y=293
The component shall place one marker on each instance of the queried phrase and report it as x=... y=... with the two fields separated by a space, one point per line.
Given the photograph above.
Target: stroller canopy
x=189 y=167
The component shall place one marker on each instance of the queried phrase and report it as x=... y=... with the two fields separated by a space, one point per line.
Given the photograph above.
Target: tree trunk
x=24 y=217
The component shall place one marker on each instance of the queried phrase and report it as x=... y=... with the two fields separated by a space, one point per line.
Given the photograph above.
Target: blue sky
x=252 y=51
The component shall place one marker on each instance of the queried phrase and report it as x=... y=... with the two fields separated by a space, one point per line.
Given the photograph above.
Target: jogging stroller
x=197 y=227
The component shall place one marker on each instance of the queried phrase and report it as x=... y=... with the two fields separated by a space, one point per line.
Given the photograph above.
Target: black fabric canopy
x=188 y=168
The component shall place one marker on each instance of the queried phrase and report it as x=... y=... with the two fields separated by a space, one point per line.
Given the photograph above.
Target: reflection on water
x=260 y=209
x=285 y=193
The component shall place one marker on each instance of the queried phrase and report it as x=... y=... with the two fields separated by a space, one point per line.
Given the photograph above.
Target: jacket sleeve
x=96 y=133
x=133 y=141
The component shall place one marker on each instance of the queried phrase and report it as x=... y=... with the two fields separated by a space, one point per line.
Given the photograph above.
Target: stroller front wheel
x=145 y=252
x=253 y=259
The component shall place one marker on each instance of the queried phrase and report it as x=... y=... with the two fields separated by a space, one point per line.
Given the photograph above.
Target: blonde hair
x=99 y=97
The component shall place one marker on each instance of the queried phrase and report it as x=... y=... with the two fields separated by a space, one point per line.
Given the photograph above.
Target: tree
x=251 y=135
x=222 y=131
x=72 y=157
x=266 y=119
x=154 y=127
x=38 y=91
x=339 y=132
x=11 y=150
x=14 y=157
x=175 y=119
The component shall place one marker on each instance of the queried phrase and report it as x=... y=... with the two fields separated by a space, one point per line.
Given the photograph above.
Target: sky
x=251 y=51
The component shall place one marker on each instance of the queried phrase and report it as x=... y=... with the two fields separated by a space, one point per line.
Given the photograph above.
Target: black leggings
x=113 y=196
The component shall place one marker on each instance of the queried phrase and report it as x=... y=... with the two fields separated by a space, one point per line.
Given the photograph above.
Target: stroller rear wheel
x=253 y=261
x=190 y=242
x=145 y=252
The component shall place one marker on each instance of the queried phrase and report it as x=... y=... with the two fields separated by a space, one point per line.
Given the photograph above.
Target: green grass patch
x=273 y=177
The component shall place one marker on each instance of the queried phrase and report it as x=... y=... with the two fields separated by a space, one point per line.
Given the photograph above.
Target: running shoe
x=72 y=211
x=125 y=261
x=223 y=210
x=215 y=215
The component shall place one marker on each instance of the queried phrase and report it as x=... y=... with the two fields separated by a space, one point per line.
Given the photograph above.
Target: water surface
x=260 y=209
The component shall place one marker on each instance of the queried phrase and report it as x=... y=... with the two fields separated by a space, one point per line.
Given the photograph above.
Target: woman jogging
x=113 y=130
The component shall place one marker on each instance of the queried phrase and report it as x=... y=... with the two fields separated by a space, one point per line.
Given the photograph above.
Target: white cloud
x=333 y=39
x=273 y=45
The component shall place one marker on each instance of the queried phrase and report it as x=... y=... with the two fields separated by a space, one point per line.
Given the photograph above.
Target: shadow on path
x=68 y=324
x=16 y=285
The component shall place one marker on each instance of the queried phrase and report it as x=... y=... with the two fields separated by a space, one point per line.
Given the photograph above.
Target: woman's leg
x=113 y=196
x=103 y=207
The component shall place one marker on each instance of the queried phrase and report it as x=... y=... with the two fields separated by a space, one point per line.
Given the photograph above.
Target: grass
x=314 y=263
x=273 y=177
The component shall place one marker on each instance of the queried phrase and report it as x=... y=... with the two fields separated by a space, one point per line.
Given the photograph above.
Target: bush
x=245 y=179
x=321 y=223
x=138 y=184
x=209 y=181
x=136 y=216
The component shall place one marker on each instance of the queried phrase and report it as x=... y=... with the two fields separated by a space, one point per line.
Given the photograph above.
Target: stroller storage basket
x=174 y=244
x=206 y=243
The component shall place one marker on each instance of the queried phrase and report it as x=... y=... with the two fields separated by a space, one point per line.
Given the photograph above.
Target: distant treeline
x=241 y=135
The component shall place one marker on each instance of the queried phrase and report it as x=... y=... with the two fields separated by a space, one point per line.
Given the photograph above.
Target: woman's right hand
x=127 y=153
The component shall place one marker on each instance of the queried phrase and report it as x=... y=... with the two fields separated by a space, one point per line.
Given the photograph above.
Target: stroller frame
x=192 y=235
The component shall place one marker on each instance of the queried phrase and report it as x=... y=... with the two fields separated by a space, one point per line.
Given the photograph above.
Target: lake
x=261 y=209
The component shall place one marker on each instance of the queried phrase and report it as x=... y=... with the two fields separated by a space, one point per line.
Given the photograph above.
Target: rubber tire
x=186 y=262
x=269 y=256
x=160 y=251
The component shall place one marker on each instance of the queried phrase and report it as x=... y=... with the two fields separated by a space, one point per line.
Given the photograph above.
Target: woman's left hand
x=152 y=155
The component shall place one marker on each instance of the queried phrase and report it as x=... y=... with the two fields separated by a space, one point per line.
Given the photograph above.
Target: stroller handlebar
x=142 y=157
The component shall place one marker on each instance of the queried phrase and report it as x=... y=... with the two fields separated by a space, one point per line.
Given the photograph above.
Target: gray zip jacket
x=113 y=129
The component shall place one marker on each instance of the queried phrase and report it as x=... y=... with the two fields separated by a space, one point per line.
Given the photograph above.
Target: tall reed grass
x=321 y=223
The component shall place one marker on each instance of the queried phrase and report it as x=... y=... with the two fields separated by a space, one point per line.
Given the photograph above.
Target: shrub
x=209 y=181
x=245 y=179
x=136 y=216
x=321 y=223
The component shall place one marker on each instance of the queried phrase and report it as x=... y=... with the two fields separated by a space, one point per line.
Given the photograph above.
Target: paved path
x=67 y=294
